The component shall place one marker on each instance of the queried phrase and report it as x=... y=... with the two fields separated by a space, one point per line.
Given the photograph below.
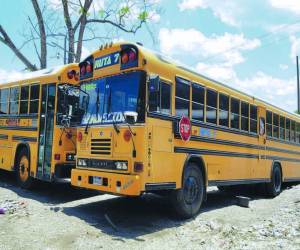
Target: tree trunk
x=70 y=31
x=43 y=41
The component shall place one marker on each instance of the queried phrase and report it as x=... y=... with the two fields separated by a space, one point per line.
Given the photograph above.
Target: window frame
x=200 y=86
x=181 y=80
x=208 y=106
x=219 y=109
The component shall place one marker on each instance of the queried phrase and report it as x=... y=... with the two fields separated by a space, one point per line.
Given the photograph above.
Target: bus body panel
x=230 y=156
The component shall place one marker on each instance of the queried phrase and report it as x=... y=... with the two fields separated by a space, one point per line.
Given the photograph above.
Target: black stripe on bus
x=214 y=152
x=3 y=137
x=282 y=141
x=223 y=142
x=21 y=128
x=292 y=179
x=279 y=158
x=236 y=182
x=24 y=138
x=231 y=154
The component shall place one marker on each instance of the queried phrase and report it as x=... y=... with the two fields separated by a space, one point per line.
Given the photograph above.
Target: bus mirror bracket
x=130 y=117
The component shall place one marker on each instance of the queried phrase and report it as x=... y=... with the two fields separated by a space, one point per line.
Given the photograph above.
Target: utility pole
x=298 y=85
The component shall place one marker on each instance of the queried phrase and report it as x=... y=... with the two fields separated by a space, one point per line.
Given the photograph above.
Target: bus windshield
x=110 y=97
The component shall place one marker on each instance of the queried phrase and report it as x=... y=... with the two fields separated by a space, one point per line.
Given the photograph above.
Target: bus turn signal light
x=127 y=135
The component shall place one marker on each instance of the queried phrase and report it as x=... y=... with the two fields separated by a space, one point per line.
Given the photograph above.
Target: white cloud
x=6 y=76
x=226 y=11
x=288 y=5
x=287 y=28
x=227 y=52
x=281 y=94
x=283 y=66
x=226 y=48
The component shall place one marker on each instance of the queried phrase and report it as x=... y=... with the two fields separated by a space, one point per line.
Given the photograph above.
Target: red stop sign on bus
x=185 y=128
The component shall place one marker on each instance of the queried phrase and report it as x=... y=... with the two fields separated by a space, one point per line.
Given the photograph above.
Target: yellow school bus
x=151 y=125
x=36 y=140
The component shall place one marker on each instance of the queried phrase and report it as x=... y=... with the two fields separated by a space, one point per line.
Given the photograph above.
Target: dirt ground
x=60 y=217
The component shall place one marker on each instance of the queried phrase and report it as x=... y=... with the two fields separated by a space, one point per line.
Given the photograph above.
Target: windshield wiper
x=97 y=112
x=108 y=112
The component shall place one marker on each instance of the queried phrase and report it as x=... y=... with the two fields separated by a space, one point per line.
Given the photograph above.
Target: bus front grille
x=100 y=146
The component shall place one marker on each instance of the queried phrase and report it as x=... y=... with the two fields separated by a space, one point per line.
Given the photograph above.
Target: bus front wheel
x=273 y=188
x=187 y=200
x=23 y=169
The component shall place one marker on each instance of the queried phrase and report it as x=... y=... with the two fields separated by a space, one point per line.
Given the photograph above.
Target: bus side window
x=14 y=100
x=223 y=110
x=160 y=101
x=288 y=126
x=244 y=116
x=298 y=132
x=282 y=128
x=293 y=131
x=275 y=125
x=24 y=100
x=253 y=119
x=198 y=102
x=182 y=97
x=34 y=99
x=4 y=93
x=211 y=106
x=269 y=123
x=235 y=113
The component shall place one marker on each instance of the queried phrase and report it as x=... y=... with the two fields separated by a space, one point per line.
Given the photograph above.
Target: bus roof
x=36 y=76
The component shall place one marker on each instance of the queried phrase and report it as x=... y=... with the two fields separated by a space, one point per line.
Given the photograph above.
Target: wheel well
x=199 y=163
x=20 y=147
x=276 y=163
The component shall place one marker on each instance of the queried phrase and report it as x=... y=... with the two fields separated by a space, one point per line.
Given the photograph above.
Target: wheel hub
x=191 y=190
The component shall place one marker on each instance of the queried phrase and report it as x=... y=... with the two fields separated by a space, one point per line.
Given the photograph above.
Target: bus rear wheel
x=188 y=200
x=23 y=169
x=273 y=188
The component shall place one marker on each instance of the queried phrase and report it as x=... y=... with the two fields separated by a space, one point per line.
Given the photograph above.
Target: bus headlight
x=121 y=165
x=81 y=163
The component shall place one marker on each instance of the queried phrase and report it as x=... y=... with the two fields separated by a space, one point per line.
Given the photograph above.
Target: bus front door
x=46 y=131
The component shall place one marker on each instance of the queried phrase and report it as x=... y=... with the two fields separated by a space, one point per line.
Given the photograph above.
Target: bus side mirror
x=130 y=117
x=154 y=83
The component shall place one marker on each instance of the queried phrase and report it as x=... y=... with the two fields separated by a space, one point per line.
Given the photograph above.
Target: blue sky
x=249 y=45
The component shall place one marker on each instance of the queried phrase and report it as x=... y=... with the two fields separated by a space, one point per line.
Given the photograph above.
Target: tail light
x=72 y=74
x=129 y=57
x=138 y=167
x=86 y=68
x=82 y=70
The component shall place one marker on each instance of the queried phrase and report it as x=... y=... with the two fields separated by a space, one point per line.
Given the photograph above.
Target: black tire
x=273 y=188
x=22 y=168
x=187 y=201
